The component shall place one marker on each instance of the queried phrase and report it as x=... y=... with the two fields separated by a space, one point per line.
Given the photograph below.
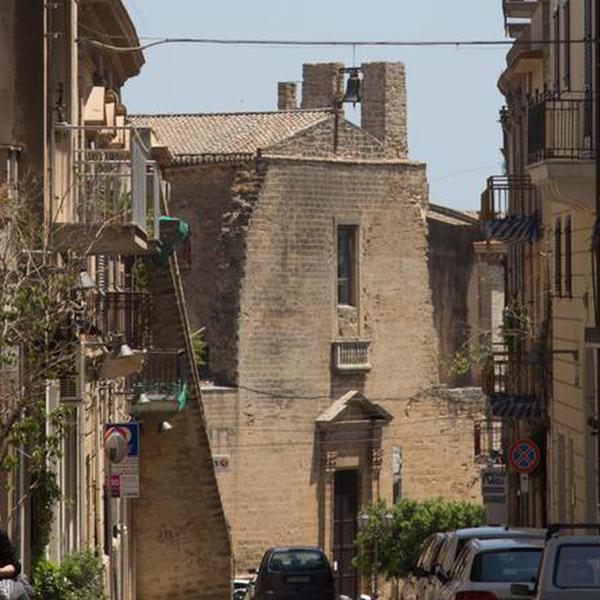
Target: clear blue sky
x=453 y=101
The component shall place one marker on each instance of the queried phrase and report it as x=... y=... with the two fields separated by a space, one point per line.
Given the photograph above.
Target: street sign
x=222 y=462
x=493 y=484
x=123 y=476
x=524 y=456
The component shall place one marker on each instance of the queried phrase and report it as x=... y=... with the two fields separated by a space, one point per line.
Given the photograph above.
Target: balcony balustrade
x=560 y=148
x=510 y=208
x=115 y=201
x=560 y=128
x=161 y=385
x=519 y=9
x=352 y=356
x=126 y=315
x=510 y=383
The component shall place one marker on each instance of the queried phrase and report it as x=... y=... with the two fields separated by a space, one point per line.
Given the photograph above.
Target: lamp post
x=362 y=520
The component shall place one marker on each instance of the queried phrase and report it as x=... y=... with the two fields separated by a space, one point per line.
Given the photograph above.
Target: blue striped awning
x=514 y=406
x=513 y=228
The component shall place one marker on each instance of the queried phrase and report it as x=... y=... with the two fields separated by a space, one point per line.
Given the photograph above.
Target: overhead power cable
x=324 y=43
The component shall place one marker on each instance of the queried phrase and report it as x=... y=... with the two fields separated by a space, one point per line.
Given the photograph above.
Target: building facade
x=94 y=183
x=544 y=210
x=309 y=274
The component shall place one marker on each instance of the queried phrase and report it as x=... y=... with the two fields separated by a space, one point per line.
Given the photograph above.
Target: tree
x=40 y=308
x=400 y=541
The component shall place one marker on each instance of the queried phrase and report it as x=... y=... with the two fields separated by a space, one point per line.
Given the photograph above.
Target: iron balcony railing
x=113 y=185
x=509 y=195
x=560 y=127
x=125 y=314
x=162 y=381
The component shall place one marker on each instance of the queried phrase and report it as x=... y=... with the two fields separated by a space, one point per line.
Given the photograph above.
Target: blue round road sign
x=524 y=456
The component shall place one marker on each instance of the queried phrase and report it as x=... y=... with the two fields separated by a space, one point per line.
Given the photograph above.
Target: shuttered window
x=557 y=51
x=566 y=44
x=588 y=77
x=557 y=258
x=568 y=259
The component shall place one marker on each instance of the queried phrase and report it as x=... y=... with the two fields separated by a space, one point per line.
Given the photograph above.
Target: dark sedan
x=294 y=573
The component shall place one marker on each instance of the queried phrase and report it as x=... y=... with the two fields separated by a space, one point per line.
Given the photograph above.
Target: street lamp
x=363 y=519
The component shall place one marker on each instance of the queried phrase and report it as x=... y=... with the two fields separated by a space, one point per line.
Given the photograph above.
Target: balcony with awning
x=510 y=209
x=509 y=383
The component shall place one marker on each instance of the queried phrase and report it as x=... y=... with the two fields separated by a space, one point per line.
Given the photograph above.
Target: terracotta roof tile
x=196 y=137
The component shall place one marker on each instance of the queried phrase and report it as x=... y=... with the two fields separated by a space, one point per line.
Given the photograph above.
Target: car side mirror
x=419 y=571
x=522 y=589
x=439 y=572
x=253 y=571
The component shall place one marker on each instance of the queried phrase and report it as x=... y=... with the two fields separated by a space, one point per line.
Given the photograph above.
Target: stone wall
x=454 y=290
x=182 y=540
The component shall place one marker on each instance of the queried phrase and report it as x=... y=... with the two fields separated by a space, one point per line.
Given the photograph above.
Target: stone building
x=309 y=275
x=95 y=184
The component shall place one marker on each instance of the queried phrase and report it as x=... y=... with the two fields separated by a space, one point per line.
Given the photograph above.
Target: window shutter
x=557 y=259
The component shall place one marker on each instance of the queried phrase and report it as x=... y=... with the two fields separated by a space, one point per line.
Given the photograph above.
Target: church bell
x=352 y=88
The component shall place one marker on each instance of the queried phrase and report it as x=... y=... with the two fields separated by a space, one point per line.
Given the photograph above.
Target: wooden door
x=345 y=509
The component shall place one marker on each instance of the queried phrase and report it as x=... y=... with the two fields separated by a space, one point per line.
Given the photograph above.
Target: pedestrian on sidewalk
x=12 y=586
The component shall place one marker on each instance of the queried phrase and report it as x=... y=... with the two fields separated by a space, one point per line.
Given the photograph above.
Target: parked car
x=415 y=584
x=486 y=569
x=294 y=573
x=455 y=541
x=570 y=567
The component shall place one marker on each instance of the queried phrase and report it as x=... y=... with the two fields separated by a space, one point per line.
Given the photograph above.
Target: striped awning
x=513 y=228
x=514 y=406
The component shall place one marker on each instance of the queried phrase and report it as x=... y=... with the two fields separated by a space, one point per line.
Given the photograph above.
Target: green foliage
x=400 y=541
x=200 y=348
x=78 y=577
x=469 y=356
x=44 y=496
x=140 y=275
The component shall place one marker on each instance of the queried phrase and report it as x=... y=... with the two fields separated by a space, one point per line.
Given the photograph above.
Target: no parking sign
x=524 y=456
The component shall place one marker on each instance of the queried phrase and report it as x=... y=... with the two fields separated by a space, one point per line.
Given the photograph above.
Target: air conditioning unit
x=70 y=389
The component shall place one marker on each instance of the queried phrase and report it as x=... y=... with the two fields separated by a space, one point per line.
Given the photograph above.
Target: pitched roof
x=198 y=137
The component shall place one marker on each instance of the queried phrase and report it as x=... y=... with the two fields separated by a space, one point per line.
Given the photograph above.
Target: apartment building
x=94 y=181
x=542 y=212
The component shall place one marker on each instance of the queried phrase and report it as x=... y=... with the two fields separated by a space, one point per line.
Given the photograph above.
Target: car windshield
x=506 y=566
x=287 y=561
x=578 y=566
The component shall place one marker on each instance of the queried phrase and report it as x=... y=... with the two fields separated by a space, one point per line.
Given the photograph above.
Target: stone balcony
x=352 y=356
x=519 y=9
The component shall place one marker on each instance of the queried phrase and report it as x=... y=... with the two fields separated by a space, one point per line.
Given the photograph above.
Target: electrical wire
x=158 y=41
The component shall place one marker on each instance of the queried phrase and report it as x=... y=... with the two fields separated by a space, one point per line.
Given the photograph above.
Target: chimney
x=286 y=95
x=383 y=105
x=321 y=84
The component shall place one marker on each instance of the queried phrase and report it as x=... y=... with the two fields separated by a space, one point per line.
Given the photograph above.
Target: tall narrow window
x=557 y=51
x=588 y=52
x=557 y=259
x=347 y=239
x=566 y=44
x=568 y=259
